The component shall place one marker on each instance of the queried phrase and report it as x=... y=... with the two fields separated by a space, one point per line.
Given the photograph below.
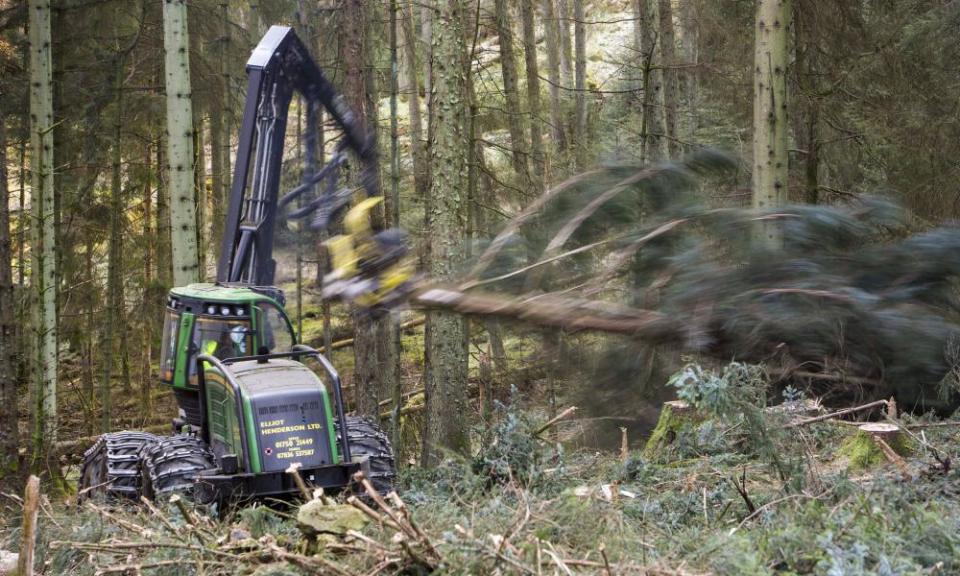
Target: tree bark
x=375 y=371
x=580 y=104
x=43 y=274
x=446 y=333
x=113 y=315
x=9 y=432
x=533 y=95
x=552 y=41
x=671 y=87
x=183 y=224
x=566 y=42
x=689 y=47
x=652 y=126
x=511 y=92
x=770 y=115
x=421 y=170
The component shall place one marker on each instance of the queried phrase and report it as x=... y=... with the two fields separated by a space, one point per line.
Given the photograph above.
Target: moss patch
x=671 y=422
x=863 y=452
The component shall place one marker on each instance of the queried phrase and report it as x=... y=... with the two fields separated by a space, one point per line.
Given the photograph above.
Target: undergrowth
x=743 y=495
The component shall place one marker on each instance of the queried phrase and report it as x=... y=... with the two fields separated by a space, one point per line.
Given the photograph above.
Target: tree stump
x=674 y=417
x=866 y=448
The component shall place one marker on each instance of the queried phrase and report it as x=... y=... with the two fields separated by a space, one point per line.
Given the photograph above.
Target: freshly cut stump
x=864 y=449
x=675 y=416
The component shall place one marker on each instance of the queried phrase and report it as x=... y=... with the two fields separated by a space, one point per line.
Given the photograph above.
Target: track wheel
x=171 y=464
x=368 y=439
x=111 y=467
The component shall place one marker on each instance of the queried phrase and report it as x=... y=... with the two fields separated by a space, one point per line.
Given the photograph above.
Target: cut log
x=876 y=442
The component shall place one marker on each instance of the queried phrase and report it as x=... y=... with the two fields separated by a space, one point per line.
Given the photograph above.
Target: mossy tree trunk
x=652 y=127
x=511 y=93
x=671 y=82
x=9 y=432
x=446 y=333
x=770 y=115
x=552 y=42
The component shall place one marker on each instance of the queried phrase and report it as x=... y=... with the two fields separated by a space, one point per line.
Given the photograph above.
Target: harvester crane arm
x=280 y=66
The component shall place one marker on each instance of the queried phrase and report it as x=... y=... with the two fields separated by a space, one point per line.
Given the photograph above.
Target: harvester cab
x=252 y=403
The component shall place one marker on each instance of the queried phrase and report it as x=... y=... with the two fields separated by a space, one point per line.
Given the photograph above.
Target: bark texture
x=43 y=280
x=511 y=92
x=375 y=365
x=580 y=81
x=446 y=332
x=9 y=432
x=770 y=114
x=671 y=82
x=652 y=125
x=183 y=223
x=533 y=95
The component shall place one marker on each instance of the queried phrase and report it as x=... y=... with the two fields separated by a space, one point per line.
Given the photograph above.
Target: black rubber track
x=111 y=467
x=170 y=465
x=367 y=439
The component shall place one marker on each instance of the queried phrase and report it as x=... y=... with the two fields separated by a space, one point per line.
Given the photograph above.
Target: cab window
x=222 y=338
x=168 y=347
x=276 y=334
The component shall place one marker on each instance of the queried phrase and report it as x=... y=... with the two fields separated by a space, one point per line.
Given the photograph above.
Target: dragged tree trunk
x=183 y=224
x=446 y=333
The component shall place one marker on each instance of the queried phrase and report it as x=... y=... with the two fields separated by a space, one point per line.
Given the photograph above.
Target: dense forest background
x=479 y=106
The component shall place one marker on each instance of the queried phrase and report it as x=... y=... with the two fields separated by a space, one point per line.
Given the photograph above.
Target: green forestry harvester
x=249 y=405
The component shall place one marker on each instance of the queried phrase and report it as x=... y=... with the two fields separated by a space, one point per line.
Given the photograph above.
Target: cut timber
x=674 y=417
x=28 y=537
x=868 y=447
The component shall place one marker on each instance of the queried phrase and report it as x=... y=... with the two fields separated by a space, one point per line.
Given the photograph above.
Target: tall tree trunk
x=10 y=431
x=652 y=127
x=183 y=224
x=426 y=38
x=226 y=114
x=200 y=196
x=150 y=308
x=445 y=339
x=113 y=315
x=217 y=200
x=552 y=41
x=511 y=93
x=689 y=47
x=566 y=42
x=770 y=163
x=375 y=371
x=580 y=106
x=421 y=171
x=671 y=88
x=164 y=257
x=806 y=124
x=533 y=95
x=43 y=273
